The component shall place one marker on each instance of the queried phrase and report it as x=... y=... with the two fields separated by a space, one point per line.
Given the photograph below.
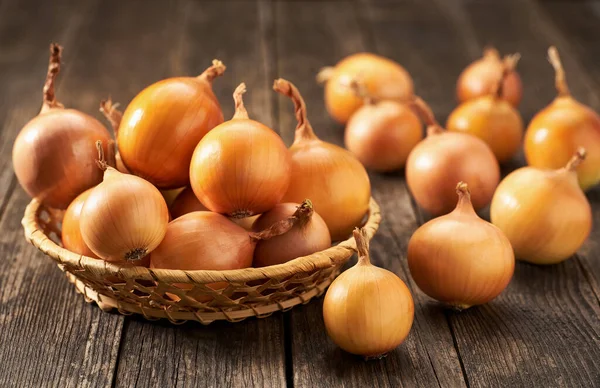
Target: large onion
x=53 y=155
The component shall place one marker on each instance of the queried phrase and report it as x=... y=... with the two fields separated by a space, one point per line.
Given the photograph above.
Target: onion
x=481 y=76
x=492 y=118
x=124 y=218
x=309 y=234
x=186 y=202
x=53 y=155
x=163 y=124
x=555 y=133
x=241 y=168
x=460 y=259
x=544 y=213
x=334 y=180
x=382 y=134
x=383 y=78
x=444 y=158
x=71 y=234
x=367 y=310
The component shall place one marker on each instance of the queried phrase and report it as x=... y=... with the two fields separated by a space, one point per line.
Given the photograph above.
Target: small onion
x=383 y=78
x=309 y=234
x=124 y=218
x=460 y=259
x=382 y=134
x=544 y=213
x=444 y=158
x=186 y=202
x=555 y=133
x=492 y=119
x=334 y=180
x=480 y=77
x=367 y=310
x=163 y=124
x=71 y=233
x=53 y=155
x=242 y=167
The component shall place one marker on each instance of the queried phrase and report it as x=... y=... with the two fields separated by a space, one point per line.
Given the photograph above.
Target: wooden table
x=544 y=330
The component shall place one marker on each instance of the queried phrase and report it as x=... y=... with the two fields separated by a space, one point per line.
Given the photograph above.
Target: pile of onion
x=384 y=80
x=368 y=310
x=555 y=133
x=444 y=158
x=459 y=258
x=492 y=118
x=53 y=155
x=480 y=77
x=381 y=134
x=308 y=235
x=334 y=180
x=124 y=218
x=163 y=124
x=544 y=213
x=241 y=168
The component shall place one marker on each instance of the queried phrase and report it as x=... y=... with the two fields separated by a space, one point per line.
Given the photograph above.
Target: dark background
x=542 y=331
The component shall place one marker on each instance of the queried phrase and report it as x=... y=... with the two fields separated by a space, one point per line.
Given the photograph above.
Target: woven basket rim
x=334 y=255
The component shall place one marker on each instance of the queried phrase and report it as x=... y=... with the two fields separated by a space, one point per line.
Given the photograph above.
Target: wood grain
x=427 y=358
x=248 y=353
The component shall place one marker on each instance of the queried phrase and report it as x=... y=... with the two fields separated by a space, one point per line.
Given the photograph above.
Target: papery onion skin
x=203 y=240
x=163 y=124
x=368 y=310
x=384 y=79
x=242 y=167
x=334 y=180
x=382 y=134
x=71 y=234
x=444 y=158
x=544 y=214
x=306 y=237
x=460 y=259
x=124 y=218
x=53 y=155
x=480 y=76
x=556 y=132
x=186 y=202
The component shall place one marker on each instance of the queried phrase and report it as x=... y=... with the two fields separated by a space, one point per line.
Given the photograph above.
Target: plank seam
x=11 y=189
x=462 y=365
x=588 y=277
x=113 y=382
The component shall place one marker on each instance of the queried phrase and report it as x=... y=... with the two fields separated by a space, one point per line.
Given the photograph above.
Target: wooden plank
x=248 y=353
x=427 y=358
x=49 y=336
x=543 y=330
x=579 y=34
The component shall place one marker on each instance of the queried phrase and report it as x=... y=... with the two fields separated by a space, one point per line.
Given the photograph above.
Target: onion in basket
x=124 y=217
x=307 y=236
x=71 y=233
x=53 y=156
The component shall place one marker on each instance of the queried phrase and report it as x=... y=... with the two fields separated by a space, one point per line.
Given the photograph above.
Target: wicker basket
x=250 y=292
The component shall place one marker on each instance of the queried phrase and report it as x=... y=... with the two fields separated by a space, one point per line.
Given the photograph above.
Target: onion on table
x=444 y=158
x=367 y=310
x=381 y=134
x=480 y=77
x=53 y=155
x=459 y=258
x=124 y=218
x=384 y=80
x=492 y=118
x=544 y=213
x=241 y=168
x=555 y=133
x=163 y=124
x=334 y=180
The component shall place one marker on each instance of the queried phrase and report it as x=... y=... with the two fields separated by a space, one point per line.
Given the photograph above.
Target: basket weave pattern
x=203 y=296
